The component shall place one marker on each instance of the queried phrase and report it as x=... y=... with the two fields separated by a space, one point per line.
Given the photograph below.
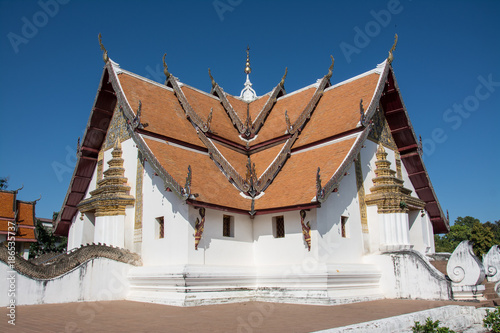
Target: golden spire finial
x=105 y=54
x=248 y=70
x=391 y=56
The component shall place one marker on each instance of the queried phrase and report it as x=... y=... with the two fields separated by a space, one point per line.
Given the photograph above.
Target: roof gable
x=179 y=128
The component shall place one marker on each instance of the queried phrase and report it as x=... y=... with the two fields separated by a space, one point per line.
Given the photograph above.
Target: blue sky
x=447 y=63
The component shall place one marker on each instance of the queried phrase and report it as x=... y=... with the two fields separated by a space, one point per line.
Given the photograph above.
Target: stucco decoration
x=464 y=268
x=306 y=229
x=198 y=229
x=491 y=263
x=111 y=196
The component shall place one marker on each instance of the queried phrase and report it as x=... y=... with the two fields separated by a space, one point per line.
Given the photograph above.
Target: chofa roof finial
x=165 y=67
x=105 y=54
x=391 y=56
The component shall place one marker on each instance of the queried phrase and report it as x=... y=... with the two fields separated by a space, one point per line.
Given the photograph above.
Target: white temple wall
x=291 y=249
x=419 y=236
x=214 y=248
x=81 y=231
x=341 y=205
x=375 y=229
x=172 y=249
x=98 y=279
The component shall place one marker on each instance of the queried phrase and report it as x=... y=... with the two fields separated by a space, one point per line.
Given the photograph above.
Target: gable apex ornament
x=330 y=69
x=105 y=52
x=390 y=58
x=165 y=67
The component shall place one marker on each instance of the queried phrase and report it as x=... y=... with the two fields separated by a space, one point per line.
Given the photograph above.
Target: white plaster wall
x=416 y=277
x=98 y=279
x=292 y=249
x=343 y=203
x=375 y=229
x=217 y=249
x=419 y=232
x=81 y=231
x=157 y=202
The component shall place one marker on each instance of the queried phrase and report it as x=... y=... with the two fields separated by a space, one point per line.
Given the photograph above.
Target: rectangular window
x=343 y=226
x=278 y=227
x=228 y=226
x=160 y=227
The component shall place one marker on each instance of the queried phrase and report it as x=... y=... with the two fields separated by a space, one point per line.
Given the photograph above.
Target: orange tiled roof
x=264 y=158
x=4 y=226
x=239 y=106
x=338 y=109
x=275 y=124
x=25 y=218
x=237 y=160
x=292 y=174
x=296 y=182
x=160 y=109
x=256 y=106
x=208 y=181
x=25 y=234
x=26 y=215
x=7 y=203
x=202 y=103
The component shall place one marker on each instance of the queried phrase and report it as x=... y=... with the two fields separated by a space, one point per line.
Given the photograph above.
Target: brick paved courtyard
x=128 y=316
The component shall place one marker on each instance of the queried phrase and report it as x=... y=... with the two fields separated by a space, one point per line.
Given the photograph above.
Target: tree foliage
x=4 y=183
x=483 y=235
x=46 y=241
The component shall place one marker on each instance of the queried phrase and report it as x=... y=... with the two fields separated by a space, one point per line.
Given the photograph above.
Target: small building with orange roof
x=17 y=221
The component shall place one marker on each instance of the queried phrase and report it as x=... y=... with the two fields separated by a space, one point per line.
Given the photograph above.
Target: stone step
x=488 y=303
x=491 y=295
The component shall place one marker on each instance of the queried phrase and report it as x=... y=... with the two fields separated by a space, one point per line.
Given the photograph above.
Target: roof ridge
x=222 y=162
x=119 y=70
x=235 y=119
x=200 y=91
x=377 y=70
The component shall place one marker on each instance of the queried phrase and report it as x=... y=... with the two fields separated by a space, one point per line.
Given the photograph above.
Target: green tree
x=495 y=228
x=4 y=183
x=482 y=236
x=46 y=241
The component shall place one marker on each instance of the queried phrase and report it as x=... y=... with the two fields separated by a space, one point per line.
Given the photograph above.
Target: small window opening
x=343 y=226
x=279 y=227
x=160 y=227
x=228 y=226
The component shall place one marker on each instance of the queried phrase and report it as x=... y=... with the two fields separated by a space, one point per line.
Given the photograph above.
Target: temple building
x=284 y=196
x=17 y=221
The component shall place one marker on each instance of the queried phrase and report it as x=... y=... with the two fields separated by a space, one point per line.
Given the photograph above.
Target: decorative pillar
x=393 y=203
x=108 y=202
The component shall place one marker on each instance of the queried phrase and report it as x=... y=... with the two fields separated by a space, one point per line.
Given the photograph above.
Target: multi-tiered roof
x=250 y=154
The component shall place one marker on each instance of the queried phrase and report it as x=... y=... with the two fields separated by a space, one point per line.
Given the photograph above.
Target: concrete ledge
x=458 y=318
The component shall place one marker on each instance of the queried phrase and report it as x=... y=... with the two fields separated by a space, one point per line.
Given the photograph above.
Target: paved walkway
x=128 y=316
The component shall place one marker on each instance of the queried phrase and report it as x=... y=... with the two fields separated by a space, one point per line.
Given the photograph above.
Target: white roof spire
x=248 y=94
